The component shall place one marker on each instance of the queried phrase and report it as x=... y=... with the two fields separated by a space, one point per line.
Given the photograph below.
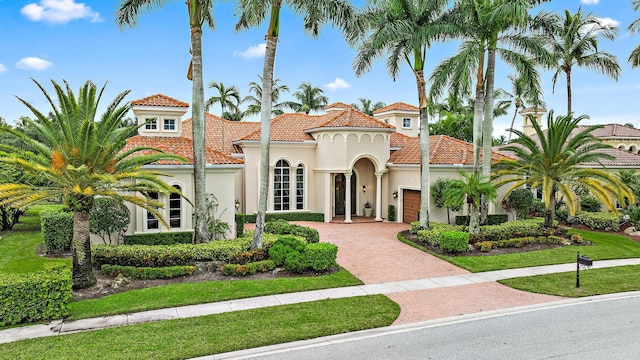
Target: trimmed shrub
x=599 y=220
x=321 y=256
x=283 y=246
x=432 y=236
x=454 y=241
x=108 y=218
x=509 y=230
x=282 y=227
x=414 y=227
x=36 y=296
x=484 y=246
x=248 y=268
x=391 y=213
x=244 y=257
x=57 y=229
x=562 y=216
x=241 y=219
x=148 y=273
x=162 y=238
x=521 y=200
x=492 y=219
x=295 y=262
x=289 y=216
x=590 y=204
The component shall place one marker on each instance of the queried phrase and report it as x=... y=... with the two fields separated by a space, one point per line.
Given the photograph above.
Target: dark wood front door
x=410 y=205
x=341 y=193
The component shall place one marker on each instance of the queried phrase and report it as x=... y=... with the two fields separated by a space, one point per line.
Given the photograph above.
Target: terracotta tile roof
x=397 y=106
x=622 y=159
x=337 y=106
x=400 y=140
x=352 y=118
x=288 y=127
x=532 y=110
x=443 y=150
x=159 y=100
x=179 y=146
x=233 y=130
x=614 y=130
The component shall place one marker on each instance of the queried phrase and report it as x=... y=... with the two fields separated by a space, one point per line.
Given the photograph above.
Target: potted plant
x=367 y=209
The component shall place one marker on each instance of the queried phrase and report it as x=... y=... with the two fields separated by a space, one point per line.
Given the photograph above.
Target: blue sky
x=77 y=40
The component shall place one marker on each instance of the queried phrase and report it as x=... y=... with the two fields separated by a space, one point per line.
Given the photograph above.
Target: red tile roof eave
x=341 y=128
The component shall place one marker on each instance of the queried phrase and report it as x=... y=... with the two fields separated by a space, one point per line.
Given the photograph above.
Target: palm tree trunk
x=198 y=130
x=568 y=72
x=513 y=120
x=477 y=114
x=424 y=150
x=549 y=217
x=82 y=271
x=474 y=221
x=265 y=121
x=222 y=124
x=487 y=127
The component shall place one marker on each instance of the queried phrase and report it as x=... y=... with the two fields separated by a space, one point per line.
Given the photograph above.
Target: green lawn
x=605 y=246
x=214 y=334
x=191 y=293
x=592 y=282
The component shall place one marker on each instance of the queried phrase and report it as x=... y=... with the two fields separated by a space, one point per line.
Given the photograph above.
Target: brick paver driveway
x=372 y=252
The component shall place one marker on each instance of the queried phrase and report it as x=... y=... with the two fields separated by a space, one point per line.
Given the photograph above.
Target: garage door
x=410 y=205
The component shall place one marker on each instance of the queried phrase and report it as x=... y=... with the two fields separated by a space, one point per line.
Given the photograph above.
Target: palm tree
x=634 y=27
x=81 y=159
x=227 y=97
x=256 y=99
x=403 y=30
x=472 y=187
x=309 y=98
x=521 y=96
x=553 y=160
x=252 y=13
x=200 y=12
x=366 y=106
x=574 y=41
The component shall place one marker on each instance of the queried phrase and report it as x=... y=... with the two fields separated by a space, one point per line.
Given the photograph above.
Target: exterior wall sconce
x=364 y=188
x=237 y=204
x=395 y=194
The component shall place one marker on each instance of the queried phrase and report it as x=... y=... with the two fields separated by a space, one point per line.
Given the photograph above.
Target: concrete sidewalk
x=60 y=327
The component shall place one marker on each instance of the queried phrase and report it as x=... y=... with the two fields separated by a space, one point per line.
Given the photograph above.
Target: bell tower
x=529 y=114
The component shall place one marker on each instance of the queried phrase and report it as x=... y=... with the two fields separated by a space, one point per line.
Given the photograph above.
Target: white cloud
x=252 y=52
x=59 y=11
x=338 y=84
x=604 y=23
x=2 y=68
x=33 y=63
x=590 y=2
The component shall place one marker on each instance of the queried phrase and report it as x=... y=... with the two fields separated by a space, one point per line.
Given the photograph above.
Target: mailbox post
x=583 y=260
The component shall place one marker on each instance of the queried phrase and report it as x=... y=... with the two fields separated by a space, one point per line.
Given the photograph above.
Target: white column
x=347 y=202
x=328 y=186
x=379 y=196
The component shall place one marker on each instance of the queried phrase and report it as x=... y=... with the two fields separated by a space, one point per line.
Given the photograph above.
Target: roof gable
x=397 y=106
x=443 y=150
x=159 y=100
x=179 y=146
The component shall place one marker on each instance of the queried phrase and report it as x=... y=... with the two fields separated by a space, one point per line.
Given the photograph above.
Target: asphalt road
x=602 y=329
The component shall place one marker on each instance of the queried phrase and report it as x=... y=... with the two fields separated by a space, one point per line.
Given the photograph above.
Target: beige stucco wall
x=142 y=113
x=395 y=118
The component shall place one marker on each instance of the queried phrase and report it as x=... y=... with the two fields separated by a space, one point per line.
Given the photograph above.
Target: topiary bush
x=148 y=273
x=162 y=238
x=321 y=256
x=521 y=200
x=391 y=213
x=599 y=220
x=283 y=246
x=454 y=241
x=241 y=219
x=57 y=229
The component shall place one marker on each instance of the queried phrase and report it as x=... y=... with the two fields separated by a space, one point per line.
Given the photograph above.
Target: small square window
x=406 y=123
x=169 y=124
x=151 y=124
x=386 y=121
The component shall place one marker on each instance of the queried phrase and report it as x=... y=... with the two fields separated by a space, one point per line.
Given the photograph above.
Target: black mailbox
x=585 y=260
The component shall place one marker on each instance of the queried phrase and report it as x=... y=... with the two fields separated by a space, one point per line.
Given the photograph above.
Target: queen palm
x=521 y=96
x=308 y=98
x=200 y=12
x=471 y=188
x=634 y=27
x=227 y=97
x=252 y=13
x=367 y=106
x=80 y=159
x=574 y=41
x=402 y=30
x=554 y=161
x=255 y=100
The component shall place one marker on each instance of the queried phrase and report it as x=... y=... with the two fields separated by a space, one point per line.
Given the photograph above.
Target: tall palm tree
x=553 y=160
x=200 y=12
x=402 y=30
x=81 y=159
x=367 y=106
x=227 y=97
x=634 y=27
x=574 y=41
x=252 y=13
x=521 y=96
x=255 y=100
x=309 y=98
x=472 y=187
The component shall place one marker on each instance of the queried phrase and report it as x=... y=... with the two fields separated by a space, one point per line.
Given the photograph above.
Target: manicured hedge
x=148 y=273
x=241 y=219
x=296 y=256
x=321 y=256
x=599 y=220
x=289 y=216
x=35 y=296
x=485 y=246
x=282 y=227
x=511 y=229
x=57 y=229
x=432 y=236
x=492 y=219
x=172 y=255
x=248 y=268
x=162 y=238
x=454 y=241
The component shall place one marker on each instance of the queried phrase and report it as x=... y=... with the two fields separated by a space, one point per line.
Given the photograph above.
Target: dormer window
x=406 y=123
x=151 y=124
x=169 y=124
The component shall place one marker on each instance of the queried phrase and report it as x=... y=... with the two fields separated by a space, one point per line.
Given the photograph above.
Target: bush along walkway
x=60 y=327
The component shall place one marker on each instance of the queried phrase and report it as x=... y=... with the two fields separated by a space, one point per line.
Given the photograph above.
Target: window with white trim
x=152 y=221
x=151 y=124
x=406 y=123
x=175 y=209
x=300 y=187
x=169 y=124
x=281 y=182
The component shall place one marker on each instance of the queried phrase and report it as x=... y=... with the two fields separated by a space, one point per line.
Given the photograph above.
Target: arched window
x=281 y=186
x=300 y=187
x=175 y=209
x=152 y=221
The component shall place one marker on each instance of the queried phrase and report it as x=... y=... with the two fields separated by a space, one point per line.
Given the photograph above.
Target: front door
x=341 y=193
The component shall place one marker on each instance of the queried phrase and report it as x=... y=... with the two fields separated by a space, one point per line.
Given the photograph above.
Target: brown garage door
x=410 y=205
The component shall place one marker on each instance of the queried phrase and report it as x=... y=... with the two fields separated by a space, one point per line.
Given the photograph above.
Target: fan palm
x=200 y=12
x=472 y=187
x=402 y=30
x=554 y=161
x=255 y=100
x=574 y=41
x=252 y=13
x=309 y=98
x=80 y=159
x=227 y=97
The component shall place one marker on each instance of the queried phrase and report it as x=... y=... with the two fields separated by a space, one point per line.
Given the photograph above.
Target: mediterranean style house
x=333 y=163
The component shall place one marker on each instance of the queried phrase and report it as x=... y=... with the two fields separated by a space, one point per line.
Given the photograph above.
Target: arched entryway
x=340 y=183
